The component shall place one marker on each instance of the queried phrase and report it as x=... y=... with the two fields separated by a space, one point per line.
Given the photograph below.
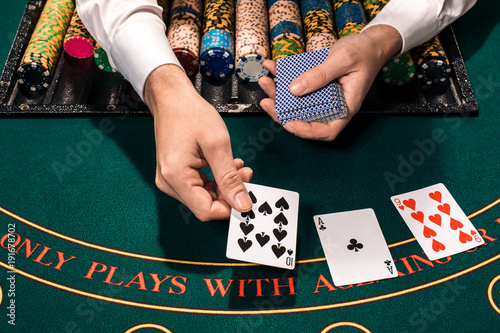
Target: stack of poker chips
x=398 y=70
x=78 y=42
x=217 y=43
x=319 y=26
x=286 y=28
x=184 y=33
x=433 y=66
x=165 y=5
x=252 y=43
x=43 y=50
x=101 y=59
x=350 y=17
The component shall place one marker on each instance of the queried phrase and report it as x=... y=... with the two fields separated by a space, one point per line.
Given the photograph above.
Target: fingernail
x=242 y=200
x=298 y=86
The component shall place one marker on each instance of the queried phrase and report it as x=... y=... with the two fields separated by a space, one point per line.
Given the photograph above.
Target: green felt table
x=100 y=249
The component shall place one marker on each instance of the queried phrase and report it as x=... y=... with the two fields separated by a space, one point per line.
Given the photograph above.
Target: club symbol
x=354 y=245
x=322 y=227
x=389 y=267
x=387 y=262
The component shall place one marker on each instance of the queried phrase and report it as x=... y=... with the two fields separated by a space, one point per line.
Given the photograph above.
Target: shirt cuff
x=139 y=48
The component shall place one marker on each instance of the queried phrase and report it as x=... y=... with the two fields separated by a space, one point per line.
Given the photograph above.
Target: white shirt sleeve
x=419 y=20
x=133 y=34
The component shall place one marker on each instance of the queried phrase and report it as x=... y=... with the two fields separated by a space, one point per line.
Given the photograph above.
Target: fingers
x=270 y=65
x=317 y=131
x=315 y=78
x=219 y=156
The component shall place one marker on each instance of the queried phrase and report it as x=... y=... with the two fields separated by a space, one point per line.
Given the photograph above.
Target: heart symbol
x=472 y=232
x=428 y=232
x=444 y=208
x=410 y=203
x=290 y=251
x=401 y=207
x=436 y=218
x=246 y=228
x=262 y=239
x=435 y=196
x=454 y=224
x=437 y=246
x=464 y=238
x=244 y=244
x=279 y=234
x=278 y=250
x=419 y=216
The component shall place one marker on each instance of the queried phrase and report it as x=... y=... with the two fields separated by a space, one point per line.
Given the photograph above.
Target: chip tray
x=79 y=88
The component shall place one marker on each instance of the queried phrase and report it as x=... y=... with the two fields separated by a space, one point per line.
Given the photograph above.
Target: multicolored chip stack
x=286 y=28
x=43 y=50
x=101 y=59
x=78 y=42
x=398 y=70
x=350 y=17
x=319 y=27
x=252 y=43
x=184 y=33
x=165 y=5
x=433 y=66
x=217 y=43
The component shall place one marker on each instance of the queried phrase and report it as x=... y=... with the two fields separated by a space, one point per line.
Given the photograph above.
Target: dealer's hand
x=191 y=135
x=354 y=61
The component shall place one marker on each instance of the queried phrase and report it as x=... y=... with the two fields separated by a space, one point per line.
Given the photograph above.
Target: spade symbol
x=279 y=234
x=281 y=218
x=278 y=250
x=246 y=228
x=252 y=196
x=290 y=251
x=244 y=243
x=265 y=209
x=282 y=204
x=355 y=245
x=262 y=238
x=248 y=215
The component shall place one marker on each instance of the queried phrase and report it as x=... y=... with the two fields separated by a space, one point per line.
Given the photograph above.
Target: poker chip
x=219 y=15
x=320 y=41
x=250 y=68
x=399 y=70
x=285 y=22
x=78 y=42
x=350 y=17
x=34 y=75
x=165 y=5
x=433 y=66
x=101 y=59
x=434 y=75
x=188 y=60
x=286 y=47
x=216 y=63
x=46 y=43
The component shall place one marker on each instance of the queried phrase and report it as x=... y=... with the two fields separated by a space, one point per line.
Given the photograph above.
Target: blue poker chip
x=216 y=63
x=217 y=39
x=250 y=68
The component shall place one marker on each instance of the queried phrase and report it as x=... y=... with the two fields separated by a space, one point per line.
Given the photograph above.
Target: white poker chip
x=250 y=68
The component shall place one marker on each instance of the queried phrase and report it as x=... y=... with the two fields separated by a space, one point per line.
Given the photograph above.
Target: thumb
x=313 y=79
x=227 y=178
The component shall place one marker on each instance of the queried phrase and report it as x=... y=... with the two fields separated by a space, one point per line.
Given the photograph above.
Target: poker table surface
x=98 y=248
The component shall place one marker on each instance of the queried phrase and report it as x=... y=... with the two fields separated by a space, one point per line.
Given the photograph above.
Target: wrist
x=386 y=40
x=164 y=85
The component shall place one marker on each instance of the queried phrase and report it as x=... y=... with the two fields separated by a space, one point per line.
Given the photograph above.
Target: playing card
x=267 y=234
x=437 y=222
x=323 y=105
x=354 y=247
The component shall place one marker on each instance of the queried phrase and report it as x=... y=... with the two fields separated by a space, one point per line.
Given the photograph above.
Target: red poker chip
x=188 y=60
x=79 y=47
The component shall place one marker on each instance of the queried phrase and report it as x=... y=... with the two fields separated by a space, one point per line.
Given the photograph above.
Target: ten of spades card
x=267 y=234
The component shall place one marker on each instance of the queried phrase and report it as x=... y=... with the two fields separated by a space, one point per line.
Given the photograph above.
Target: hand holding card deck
x=267 y=234
x=324 y=105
